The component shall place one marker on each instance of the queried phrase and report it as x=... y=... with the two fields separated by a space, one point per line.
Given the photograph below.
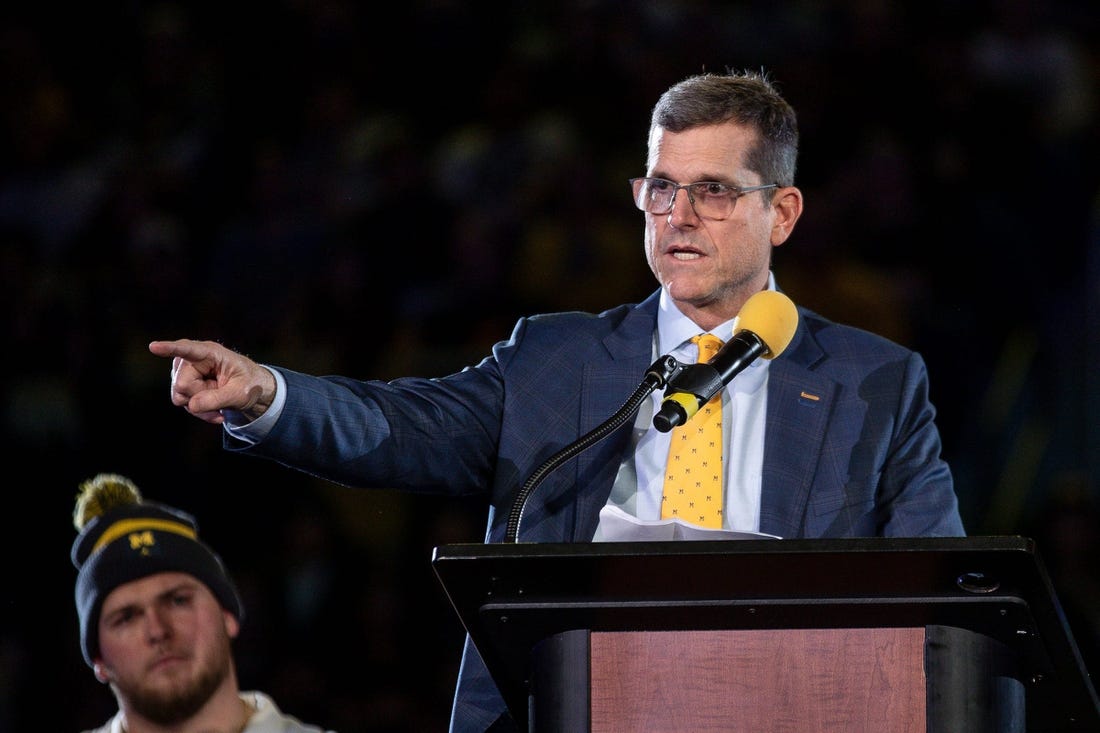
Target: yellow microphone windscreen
x=772 y=316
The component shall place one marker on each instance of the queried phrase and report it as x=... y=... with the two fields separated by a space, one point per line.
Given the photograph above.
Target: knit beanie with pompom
x=122 y=538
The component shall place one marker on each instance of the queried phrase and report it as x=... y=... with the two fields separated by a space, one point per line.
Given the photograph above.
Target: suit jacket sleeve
x=485 y=429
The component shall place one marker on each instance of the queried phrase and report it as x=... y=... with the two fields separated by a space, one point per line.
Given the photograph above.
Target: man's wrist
x=263 y=394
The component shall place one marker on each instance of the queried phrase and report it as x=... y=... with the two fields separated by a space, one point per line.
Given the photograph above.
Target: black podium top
x=511 y=596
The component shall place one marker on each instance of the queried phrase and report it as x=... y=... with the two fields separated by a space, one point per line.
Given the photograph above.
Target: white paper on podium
x=618 y=526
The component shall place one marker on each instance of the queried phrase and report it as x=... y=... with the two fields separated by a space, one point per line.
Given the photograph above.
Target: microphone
x=763 y=328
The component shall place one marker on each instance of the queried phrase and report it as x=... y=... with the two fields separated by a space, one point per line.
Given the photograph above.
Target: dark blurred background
x=338 y=189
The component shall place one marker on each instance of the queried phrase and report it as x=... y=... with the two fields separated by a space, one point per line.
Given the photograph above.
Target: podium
x=870 y=634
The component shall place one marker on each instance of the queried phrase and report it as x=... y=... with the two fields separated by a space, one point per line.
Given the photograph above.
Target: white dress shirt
x=640 y=481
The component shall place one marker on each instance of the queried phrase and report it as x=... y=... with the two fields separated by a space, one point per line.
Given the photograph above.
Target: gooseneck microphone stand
x=661 y=373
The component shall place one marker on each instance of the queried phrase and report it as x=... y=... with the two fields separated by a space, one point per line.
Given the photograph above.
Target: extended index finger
x=182 y=348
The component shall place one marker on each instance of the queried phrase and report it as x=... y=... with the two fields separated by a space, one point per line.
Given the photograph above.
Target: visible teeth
x=686 y=255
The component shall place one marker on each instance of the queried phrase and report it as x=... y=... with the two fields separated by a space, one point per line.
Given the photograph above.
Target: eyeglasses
x=709 y=199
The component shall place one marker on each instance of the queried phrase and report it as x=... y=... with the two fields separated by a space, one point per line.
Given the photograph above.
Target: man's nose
x=157 y=625
x=683 y=211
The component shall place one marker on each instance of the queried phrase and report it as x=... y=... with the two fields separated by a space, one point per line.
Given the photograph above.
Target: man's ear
x=100 y=671
x=788 y=207
x=232 y=625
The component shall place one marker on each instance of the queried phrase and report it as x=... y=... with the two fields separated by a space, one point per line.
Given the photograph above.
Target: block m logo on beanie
x=142 y=541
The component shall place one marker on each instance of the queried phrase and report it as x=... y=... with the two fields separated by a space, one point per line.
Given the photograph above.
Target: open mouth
x=683 y=254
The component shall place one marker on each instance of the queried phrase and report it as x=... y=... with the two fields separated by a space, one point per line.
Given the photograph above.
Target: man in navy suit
x=835 y=437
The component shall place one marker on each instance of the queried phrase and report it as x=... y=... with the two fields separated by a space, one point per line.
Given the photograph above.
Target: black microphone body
x=698 y=383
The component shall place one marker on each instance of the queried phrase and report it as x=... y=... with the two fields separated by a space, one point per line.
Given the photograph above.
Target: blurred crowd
x=342 y=190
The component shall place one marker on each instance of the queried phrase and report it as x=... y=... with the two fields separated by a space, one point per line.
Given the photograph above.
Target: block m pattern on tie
x=694 y=474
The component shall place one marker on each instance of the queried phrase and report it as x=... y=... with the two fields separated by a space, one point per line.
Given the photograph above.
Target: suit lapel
x=609 y=380
x=799 y=403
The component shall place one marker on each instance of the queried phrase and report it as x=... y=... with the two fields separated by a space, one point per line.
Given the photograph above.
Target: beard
x=182 y=701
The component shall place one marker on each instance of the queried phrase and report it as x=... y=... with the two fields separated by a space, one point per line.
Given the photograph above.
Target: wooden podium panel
x=768 y=681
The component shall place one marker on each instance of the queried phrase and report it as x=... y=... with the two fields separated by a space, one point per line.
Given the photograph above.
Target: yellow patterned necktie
x=694 y=475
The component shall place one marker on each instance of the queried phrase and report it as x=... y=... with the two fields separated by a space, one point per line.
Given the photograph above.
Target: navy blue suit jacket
x=850 y=449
